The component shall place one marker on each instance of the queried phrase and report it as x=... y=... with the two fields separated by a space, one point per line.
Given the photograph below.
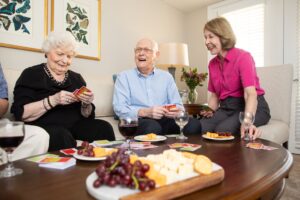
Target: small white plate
x=144 y=138
x=81 y=157
x=219 y=139
x=99 y=143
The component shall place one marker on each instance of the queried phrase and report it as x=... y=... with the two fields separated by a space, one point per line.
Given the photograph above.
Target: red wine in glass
x=10 y=143
x=128 y=127
x=11 y=136
x=128 y=130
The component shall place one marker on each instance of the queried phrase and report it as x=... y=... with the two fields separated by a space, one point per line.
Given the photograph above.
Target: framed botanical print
x=82 y=19
x=23 y=24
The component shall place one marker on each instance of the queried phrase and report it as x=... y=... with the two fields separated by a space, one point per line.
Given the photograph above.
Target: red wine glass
x=128 y=127
x=11 y=136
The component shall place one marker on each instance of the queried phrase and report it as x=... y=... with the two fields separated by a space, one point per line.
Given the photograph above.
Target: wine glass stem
x=181 y=130
x=128 y=143
x=247 y=136
x=9 y=164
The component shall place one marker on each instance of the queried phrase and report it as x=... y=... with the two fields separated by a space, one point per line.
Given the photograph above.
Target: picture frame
x=23 y=24
x=81 y=18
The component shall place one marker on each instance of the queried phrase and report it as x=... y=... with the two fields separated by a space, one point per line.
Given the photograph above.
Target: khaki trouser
x=36 y=142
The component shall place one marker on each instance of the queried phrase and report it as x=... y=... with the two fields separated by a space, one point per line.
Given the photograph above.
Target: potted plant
x=193 y=79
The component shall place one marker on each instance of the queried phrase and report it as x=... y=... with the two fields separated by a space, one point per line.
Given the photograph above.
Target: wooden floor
x=292 y=189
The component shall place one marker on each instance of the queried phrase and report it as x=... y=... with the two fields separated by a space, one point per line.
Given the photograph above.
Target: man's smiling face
x=145 y=55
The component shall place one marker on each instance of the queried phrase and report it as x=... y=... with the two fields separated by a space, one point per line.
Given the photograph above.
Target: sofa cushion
x=275 y=131
x=102 y=87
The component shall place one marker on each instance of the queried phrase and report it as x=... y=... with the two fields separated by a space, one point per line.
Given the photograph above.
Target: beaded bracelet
x=45 y=105
x=48 y=99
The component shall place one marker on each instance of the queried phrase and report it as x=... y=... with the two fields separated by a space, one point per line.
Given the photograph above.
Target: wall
x=122 y=24
x=197 y=51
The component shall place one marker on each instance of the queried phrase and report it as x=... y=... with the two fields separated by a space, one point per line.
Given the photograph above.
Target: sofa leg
x=285 y=145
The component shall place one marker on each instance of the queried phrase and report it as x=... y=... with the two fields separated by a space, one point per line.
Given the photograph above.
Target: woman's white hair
x=60 y=39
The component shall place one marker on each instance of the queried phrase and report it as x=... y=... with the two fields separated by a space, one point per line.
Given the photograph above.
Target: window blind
x=248 y=26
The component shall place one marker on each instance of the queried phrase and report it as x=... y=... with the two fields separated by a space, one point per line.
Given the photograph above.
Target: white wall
x=195 y=22
x=122 y=24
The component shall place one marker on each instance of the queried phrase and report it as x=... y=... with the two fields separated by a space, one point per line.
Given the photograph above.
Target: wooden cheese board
x=182 y=187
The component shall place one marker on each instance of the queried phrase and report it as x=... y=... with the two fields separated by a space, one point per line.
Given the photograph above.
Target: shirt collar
x=229 y=55
x=142 y=75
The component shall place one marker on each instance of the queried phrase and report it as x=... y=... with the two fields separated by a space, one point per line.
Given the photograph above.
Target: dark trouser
x=167 y=126
x=86 y=130
x=226 y=118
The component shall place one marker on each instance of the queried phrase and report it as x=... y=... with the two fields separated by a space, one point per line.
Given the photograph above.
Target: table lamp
x=173 y=55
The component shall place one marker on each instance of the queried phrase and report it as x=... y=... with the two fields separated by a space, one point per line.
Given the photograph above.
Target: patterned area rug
x=292 y=187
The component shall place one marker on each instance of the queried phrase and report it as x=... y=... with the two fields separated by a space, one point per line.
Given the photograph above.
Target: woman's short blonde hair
x=60 y=40
x=221 y=27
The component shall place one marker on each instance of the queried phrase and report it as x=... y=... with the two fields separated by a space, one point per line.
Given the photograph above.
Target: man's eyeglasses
x=146 y=50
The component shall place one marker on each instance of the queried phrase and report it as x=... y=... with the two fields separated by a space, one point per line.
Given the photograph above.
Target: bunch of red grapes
x=86 y=149
x=117 y=170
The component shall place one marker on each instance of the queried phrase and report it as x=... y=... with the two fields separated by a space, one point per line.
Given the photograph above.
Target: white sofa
x=102 y=86
x=276 y=80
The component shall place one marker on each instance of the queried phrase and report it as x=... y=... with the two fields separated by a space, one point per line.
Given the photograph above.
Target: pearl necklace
x=59 y=83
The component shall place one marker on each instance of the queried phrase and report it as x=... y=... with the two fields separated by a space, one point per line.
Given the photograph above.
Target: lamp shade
x=173 y=54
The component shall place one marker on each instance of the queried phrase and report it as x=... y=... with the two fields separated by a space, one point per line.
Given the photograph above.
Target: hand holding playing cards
x=172 y=110
x=155 y=112
x=84 y=94
x=207 y=113
x=63 y=98
x=254 y=132
x=86 y=97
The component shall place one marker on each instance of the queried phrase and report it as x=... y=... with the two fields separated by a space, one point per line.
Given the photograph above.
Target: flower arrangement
x=193 y=79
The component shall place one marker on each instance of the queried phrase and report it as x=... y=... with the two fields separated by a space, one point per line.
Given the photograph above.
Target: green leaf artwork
x=77 y=22
x=15 y=13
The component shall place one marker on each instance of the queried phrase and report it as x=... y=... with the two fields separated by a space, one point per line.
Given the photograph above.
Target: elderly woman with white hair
x=43 y=96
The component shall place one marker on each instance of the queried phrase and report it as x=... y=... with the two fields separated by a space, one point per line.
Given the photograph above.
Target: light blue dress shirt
x=134 y=91
x=3 y=85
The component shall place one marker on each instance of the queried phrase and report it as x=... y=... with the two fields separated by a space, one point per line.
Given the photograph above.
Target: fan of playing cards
x=80 y=91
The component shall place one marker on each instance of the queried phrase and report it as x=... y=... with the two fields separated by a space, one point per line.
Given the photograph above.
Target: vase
x=192 y=96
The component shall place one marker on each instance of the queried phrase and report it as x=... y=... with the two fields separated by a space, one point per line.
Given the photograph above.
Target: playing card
x=190 y=148
x=185 y=146
x=256 y=145
x=82 y=90
x=70 y=151
x=171 y=107
x=75 y=91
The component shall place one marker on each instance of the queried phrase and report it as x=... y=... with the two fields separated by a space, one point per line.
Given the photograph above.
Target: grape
x=100 y=169
x=137 y=164
x=80 y=152
x=142 y=185
x=85 y=144
x=151 y=184
x=117 y=170
x=138 y=174
x=111 y=182
x=97 y=183
x=145 y=167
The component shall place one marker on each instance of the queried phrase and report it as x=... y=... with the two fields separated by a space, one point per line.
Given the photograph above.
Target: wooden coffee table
x=249 y=174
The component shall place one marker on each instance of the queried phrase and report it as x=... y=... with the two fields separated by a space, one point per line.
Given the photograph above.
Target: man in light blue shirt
x=3 y=94
x=144 y=91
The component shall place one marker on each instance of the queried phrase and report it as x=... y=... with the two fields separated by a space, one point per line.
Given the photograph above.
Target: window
x=258 y=25
x=249 y=30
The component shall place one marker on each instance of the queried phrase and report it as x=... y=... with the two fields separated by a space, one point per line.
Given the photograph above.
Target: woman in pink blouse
x=233 y=84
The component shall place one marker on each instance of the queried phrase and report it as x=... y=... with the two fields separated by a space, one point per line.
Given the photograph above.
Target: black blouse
x=34 y=85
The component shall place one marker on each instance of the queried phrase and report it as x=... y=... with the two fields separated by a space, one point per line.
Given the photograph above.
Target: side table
x=193 y=109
